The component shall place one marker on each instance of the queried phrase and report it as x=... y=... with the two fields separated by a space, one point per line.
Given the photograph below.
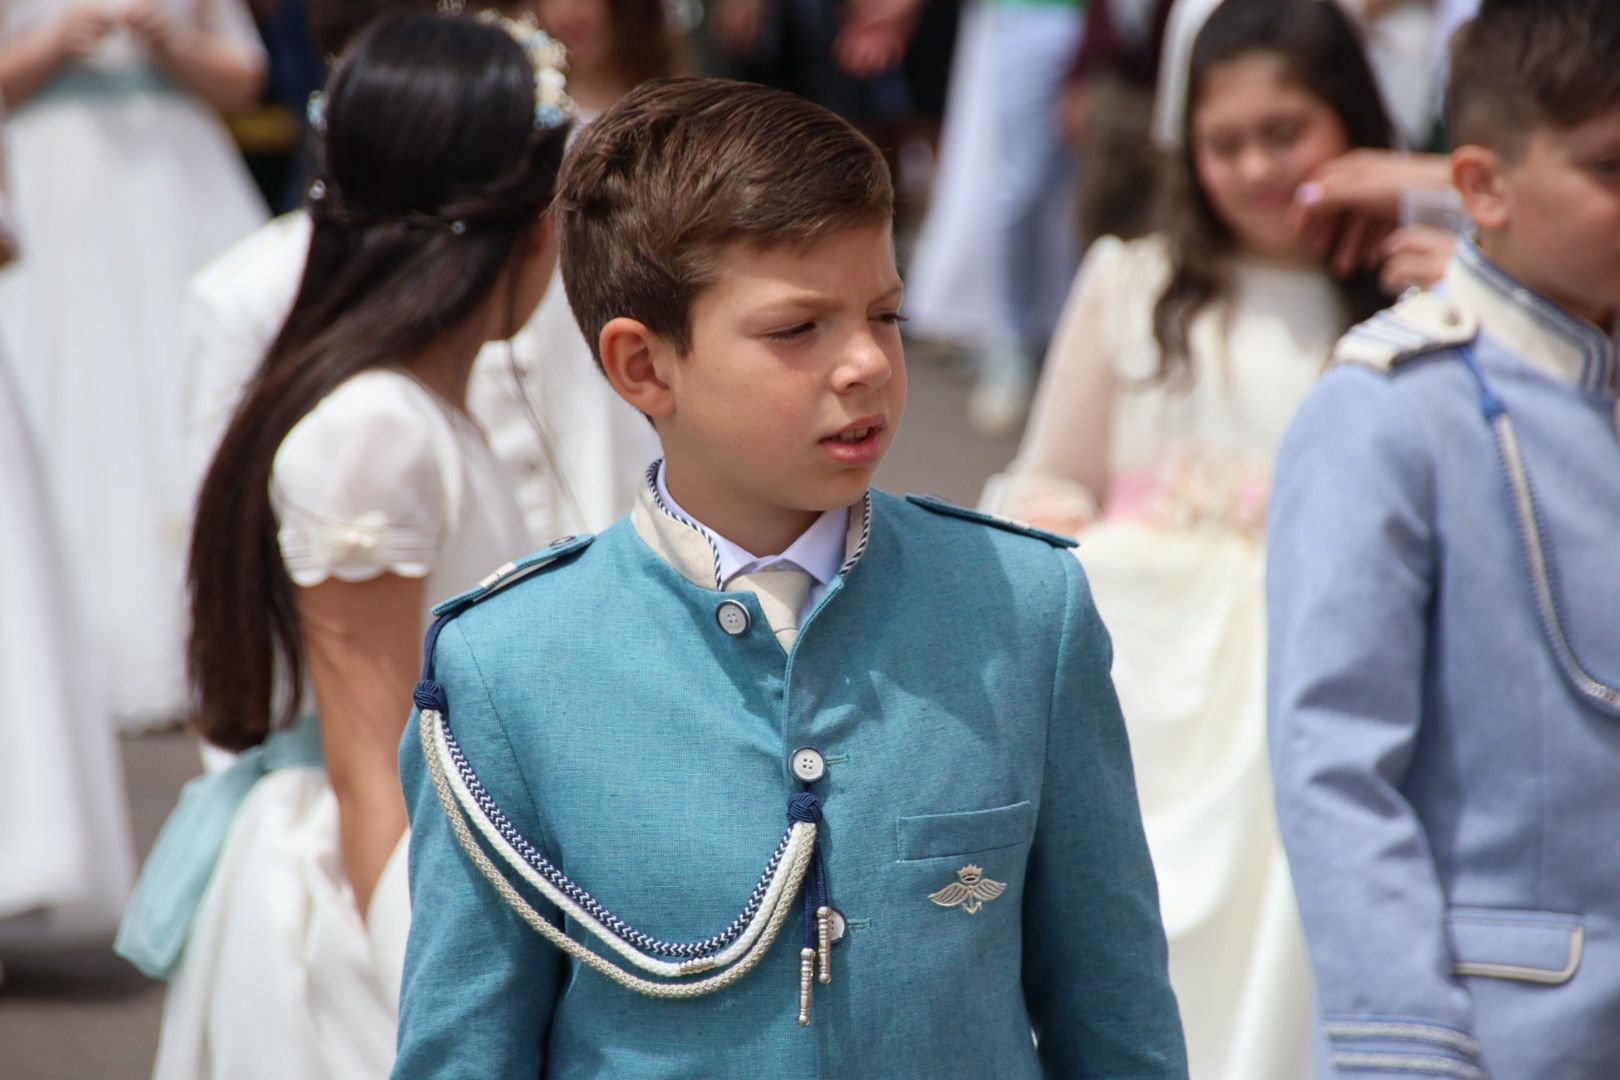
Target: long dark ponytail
x=430 y=175
x=1322 y=50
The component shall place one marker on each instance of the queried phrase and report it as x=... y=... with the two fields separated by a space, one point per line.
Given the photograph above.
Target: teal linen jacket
x=955 y=679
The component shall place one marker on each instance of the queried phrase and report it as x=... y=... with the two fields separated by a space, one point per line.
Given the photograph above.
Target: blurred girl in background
x=125 y=183
x=1179 y=361
x=65 y=852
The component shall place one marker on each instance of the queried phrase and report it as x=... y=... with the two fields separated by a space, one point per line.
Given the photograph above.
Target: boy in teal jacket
x=903 y=715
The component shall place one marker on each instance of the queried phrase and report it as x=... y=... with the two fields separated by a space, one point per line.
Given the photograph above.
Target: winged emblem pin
x=971 y=891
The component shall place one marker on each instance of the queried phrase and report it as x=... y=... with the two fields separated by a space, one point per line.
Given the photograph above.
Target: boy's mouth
x=857 y=443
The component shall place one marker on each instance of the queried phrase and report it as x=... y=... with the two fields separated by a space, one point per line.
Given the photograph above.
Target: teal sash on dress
x=158 y=920
x=86 y=83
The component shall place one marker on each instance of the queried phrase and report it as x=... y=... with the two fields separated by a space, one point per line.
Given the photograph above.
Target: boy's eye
x=791 y=332
x=893 y=318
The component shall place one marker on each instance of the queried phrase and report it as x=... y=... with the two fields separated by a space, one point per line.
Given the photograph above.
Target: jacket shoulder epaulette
x=938 y=505
x=513 y=572
x=1419 y=324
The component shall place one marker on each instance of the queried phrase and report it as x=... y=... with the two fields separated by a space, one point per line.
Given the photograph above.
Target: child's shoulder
x=1403 y=369
x=958 y=556
x=1142 y=263
x=1418 y=326
x=548 y=560
x=944 y=519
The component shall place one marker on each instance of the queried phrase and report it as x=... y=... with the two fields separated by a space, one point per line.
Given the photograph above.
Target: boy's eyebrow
x=819 y=301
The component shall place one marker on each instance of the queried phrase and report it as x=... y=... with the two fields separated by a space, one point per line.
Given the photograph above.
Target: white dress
x=577 y=471
x=66 y=858
x=1177 y=568
x=280 y=977
x=124 y=186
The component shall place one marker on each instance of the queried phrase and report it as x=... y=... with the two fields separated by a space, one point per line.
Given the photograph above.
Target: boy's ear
x=632 y=356
x=1477 y=172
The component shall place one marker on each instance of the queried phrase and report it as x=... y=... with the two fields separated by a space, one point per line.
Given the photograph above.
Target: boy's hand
x=81 y=31
x=1415 y=256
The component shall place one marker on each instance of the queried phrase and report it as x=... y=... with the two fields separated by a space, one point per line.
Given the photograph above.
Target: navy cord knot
x=804 y=806
x=430 y=695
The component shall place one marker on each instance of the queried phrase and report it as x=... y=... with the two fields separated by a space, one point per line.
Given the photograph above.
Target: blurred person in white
x=65 y=851
x=573 y=448
x=1001 y=236
x=1354 y=209
x=125 y=182
x=1178 y=363
x=350 y=491
x=1404 y=42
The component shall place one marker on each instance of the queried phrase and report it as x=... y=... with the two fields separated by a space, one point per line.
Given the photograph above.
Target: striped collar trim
x=693 y=551
x=1545 y=335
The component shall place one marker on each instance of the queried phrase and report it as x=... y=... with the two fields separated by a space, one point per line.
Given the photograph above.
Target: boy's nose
x=865 y=363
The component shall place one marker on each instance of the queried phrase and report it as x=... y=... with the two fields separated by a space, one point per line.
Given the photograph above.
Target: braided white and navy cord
x=738 y=949
x=531 y=855
x=866 y=535
x=753 y=947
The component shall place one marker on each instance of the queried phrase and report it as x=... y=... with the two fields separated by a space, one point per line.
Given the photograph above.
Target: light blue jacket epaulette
x=981 y=840
x=1442 y=627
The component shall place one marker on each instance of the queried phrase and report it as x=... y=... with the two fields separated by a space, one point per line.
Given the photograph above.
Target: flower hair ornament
x=553 y=108
x=552 y=105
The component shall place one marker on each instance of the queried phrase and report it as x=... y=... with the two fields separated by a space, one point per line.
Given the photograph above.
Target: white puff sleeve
x=359 y=486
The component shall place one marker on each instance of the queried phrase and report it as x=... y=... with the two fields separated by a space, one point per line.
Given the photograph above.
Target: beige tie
x=781 y=592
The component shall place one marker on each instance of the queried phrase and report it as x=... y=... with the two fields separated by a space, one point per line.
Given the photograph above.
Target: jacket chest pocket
x=971 y=862
x=939 y=836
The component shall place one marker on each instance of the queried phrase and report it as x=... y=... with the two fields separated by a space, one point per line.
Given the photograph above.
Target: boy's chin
x=836 y=492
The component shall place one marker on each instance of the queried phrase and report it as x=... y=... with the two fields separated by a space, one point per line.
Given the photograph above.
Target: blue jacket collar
x=1541 y=332
x=693 y=552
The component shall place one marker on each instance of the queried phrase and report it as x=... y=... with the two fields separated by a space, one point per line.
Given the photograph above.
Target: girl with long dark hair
x=1180 y=359
x=577 y=449
x=349 y=491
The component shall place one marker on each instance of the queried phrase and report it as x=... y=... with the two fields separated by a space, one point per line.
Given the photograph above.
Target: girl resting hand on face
x=1178 y=364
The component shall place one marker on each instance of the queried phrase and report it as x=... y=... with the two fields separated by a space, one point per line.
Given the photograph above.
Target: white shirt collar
x=819 y=550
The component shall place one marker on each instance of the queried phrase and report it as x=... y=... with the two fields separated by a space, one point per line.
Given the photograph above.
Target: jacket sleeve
x=1352 y=556
x=1096 y=968
x=480 y=984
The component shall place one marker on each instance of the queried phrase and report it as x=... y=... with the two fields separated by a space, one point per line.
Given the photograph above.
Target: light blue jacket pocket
x=937 y=836
x=1528 y=946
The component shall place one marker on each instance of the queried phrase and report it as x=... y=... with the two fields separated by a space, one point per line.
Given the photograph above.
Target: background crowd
x=1135 y=227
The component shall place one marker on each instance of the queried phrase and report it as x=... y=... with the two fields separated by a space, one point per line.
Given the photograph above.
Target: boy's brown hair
x=656 y=188
x=1522 y=64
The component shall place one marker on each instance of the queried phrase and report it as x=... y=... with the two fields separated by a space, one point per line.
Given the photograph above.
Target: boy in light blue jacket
x=1444 y=606
x=780 y=776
